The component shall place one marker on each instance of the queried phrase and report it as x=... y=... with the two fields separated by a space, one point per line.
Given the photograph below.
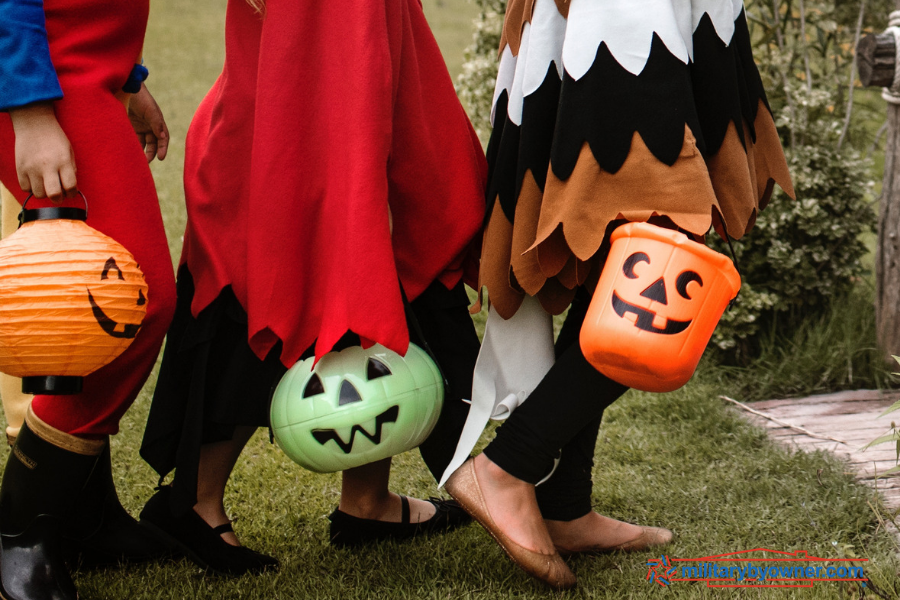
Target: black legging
x=563 y=412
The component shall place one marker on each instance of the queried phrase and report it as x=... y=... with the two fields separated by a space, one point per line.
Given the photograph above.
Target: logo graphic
x=757 y=568
x=661 y=571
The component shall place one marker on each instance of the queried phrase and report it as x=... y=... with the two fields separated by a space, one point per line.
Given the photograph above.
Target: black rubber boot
x=101 y=532
x=45 y=471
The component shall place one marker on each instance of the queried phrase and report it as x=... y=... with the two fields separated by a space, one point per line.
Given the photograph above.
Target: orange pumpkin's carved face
x=657 y=293
x=659 y=298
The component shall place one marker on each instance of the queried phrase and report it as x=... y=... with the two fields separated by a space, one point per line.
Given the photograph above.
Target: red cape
x=328 y=120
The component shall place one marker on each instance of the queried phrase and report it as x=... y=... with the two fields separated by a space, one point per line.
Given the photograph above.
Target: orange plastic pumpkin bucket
x=71 y=300
x=658 y=300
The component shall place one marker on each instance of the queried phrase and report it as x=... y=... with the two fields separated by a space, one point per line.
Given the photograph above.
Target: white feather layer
x=627 y=27
x=506 y=72
x=540 y=47
x=545 y=46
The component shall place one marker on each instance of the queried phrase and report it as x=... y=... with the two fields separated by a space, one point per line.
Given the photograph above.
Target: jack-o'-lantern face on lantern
x=660 y=316
x=73 y=299
x=655 y=307
x=109 y=325
x=356 y=406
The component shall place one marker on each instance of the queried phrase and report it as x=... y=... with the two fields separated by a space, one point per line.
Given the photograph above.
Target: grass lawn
x=680 y=460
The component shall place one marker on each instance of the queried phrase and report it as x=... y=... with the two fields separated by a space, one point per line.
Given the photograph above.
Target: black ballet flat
x=199 y=542
x=348 y=531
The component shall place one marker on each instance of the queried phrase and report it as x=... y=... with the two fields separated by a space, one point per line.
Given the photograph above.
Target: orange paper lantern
x=71 y=300
x=658 y=300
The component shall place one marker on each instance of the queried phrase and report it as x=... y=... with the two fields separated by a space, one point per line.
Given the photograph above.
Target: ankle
x=565 y=531
x=488 y=470
x=369 y=505
x=212 y=512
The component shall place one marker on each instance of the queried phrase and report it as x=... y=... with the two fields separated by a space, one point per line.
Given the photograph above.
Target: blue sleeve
x=26 y=71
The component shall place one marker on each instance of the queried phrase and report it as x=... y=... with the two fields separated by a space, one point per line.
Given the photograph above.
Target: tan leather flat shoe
x=549 y=568
x=650 y=537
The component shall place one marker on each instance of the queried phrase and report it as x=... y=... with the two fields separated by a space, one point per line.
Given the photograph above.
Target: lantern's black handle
x=53 y=212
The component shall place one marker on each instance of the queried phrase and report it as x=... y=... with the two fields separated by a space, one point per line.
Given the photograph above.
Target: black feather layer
x=609 y=104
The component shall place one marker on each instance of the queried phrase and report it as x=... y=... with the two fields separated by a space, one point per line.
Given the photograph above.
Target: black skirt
x=211 y=382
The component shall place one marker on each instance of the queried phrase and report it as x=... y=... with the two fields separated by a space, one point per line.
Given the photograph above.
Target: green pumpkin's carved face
x=356 y=406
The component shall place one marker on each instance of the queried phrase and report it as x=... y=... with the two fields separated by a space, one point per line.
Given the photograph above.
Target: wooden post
x=875 y=60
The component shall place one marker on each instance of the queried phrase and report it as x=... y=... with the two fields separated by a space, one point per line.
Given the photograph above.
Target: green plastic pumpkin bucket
x=356 y=406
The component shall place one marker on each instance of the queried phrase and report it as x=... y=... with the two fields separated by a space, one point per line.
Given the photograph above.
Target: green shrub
x=818 y=354
x=475 y=84
x=804 y=253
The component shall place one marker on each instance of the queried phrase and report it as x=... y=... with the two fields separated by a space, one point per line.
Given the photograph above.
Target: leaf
x=892 y=407
x=890 y=471
x=889 y=437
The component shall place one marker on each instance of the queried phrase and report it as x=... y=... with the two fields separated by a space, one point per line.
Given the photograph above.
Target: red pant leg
x=114 y=176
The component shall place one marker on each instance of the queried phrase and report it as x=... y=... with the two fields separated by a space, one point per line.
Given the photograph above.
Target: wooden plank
x=875 y=407
x=807 y=442
x=873 y=454
x=852 y=417
x=851 y=435
x=825 y=399
x=829 y=427
x=889 y=483
x=875 y=410
x=879 y=466
x=782 y=423
x=871 y=416
x=853 y=439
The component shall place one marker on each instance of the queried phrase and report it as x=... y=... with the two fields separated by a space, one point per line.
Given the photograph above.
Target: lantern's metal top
x=71 y=213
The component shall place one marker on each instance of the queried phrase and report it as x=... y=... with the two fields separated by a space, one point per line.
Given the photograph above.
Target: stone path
x=851 y=417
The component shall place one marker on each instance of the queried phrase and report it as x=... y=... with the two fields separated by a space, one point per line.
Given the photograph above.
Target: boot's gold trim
x=60 y=439
x=25 y=460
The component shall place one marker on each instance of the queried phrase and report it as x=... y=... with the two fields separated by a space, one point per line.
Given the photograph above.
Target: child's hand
x=45 y=162
x=149 y=124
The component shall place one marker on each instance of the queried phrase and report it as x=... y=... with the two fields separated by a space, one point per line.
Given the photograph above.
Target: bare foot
x=513 y=506
x=596 y=533
x=387 y=507
x=214 y=515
